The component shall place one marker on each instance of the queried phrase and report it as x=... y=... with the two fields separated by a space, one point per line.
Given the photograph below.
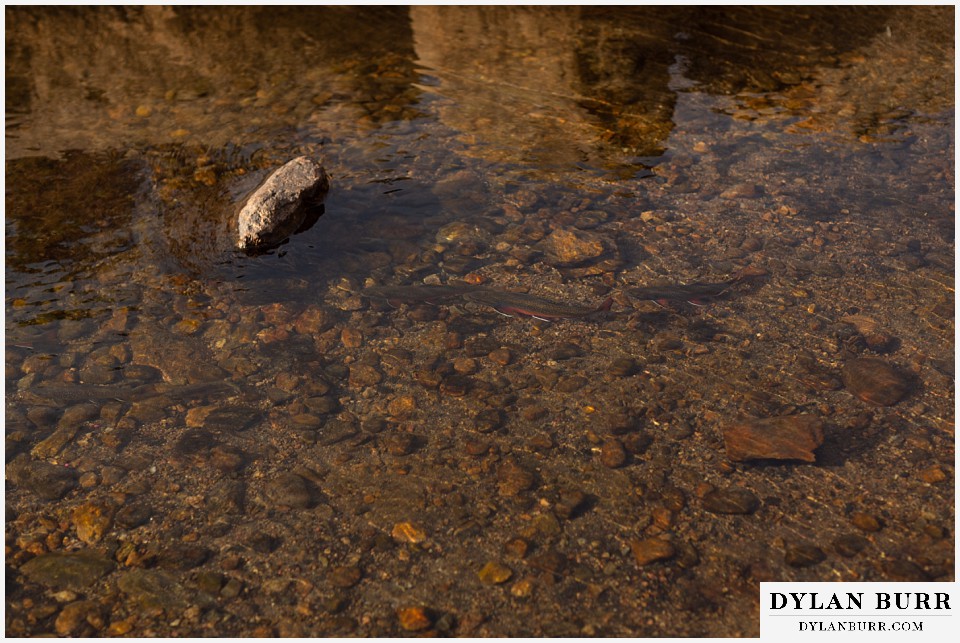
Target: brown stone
x=345 y=576
x=652 y=550
x=494 y=573
x=75 y=615
x=407 y=532
x=414 y=619
x=865 y=522
x=875 y=381
x=612 y=454
x=792 y=437
x=731 y=501
x=803 y=555
x=571 y=247
x=513 y=478
x=92 y=521
x=933 y=475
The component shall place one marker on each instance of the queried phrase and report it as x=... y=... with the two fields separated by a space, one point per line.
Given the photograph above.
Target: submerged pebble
x=875 y=381
x=793 y=437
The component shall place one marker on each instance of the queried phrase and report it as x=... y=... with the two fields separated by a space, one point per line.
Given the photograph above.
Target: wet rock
x=623 y=367
x=516 y=547
x=875 y=381
x=494 y=573
x=933 y=475
x=612 y=454
x=487 y=420
x=849 y=545
x=280 y=205
x=133 y=515
x=904 y=571
x=565 y=247
x=793 y=437
x=364 y=375
x=67 y=570
x=414 y=619
x=54 y=443
x=571 y=503
x=92 y=520
x=49 y=481
x=232 y=418
x=77 y=617
x=183 y=556
x=345 y=576
x=290 y=490
x=399 y=444
x=407 y=532
x=153 y=589
x=733 y=500
x=565 y=351
x=865 y=522
x=513 y=478
x=336 y=430
x=803 y=555
x=651 y=550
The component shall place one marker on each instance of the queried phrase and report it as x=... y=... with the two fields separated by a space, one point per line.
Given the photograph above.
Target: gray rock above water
x=279 y=206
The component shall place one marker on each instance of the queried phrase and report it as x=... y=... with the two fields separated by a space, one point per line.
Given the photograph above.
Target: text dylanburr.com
x=910 y=611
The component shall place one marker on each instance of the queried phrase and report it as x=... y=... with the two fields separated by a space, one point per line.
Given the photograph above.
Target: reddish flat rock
x=792 y=437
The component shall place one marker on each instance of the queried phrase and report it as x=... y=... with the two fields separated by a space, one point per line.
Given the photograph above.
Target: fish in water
x=503 y=301
x=518 y=303
x=418 y=294
x=698 y=294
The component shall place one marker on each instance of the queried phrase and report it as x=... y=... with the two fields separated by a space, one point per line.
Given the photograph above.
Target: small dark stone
x=263 y=543
x=904 y=571
x=132 y=515
x=345 y=576
x=487 y=420
x=336 y=431
x=875 y=381
x=565 y=351
x=513 y=478
x=399 y=444
x=570 y=503
x=803 y=555
x=182 y=556
x=612 y=453
x=623 y=367
x=731 y=501
x=227 y=497
x=849 y=545
x=289 y=489
x=209 y=582
x=232 y=418
x=194 y=442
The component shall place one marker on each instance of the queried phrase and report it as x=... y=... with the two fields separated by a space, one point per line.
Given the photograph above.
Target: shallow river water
x=201 y=441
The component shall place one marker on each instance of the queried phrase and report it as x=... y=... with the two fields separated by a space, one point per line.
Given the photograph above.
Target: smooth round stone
x=875 y=381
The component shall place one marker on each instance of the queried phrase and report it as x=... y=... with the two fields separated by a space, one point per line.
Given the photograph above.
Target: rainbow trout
x=698 y=294
x=517 y=303
x=418 y=294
